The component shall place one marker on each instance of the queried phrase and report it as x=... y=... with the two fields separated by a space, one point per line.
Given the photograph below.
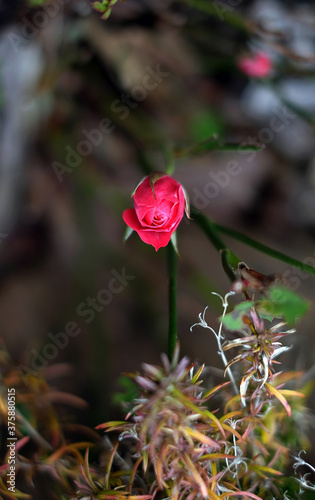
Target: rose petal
x=165 y=188
x=160 y=221
x=165 y=207
x=145 y=223
x=131 y=219
x=142 y=211
x=147 y=218
x=155 y=238
x=175 y=218
x=144 y=194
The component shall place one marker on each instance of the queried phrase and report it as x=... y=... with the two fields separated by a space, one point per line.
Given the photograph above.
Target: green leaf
x=100 y=6
x=234 y=319
x=174 y=243
x=135 y=189
x=128 y=393
x=284 y=303
x=128 y=233
x=187 y=203
x=107 y=14
x=232 y=259
x=229 y=262
x=206 y=124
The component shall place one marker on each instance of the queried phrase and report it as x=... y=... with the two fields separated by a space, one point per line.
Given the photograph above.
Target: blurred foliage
x=105 y=7
x=37 y=3
x=48 y=454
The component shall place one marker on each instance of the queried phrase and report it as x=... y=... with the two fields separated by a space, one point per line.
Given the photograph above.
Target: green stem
x=172 y=299
x=263 y=248
x=208 y=227
x=227 y=257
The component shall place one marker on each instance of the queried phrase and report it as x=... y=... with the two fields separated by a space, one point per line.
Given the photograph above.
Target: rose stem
x=212 y=229
x=172 y=299
x=263 y=248
x=211 y=232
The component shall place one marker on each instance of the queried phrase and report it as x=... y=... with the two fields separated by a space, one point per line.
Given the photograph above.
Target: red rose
x=159 y=208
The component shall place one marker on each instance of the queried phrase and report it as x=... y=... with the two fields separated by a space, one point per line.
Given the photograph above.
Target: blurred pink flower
x=258 y=65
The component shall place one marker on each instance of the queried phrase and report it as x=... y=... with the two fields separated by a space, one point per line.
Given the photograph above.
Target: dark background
x=63 y=71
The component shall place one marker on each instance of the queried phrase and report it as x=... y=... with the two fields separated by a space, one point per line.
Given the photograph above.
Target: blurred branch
x=222 y=12
x=33 y=432
x=213 y=144
x=300 y=112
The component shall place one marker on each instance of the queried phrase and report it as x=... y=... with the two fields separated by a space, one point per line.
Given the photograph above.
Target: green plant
x=190 y=447
x=105 y=7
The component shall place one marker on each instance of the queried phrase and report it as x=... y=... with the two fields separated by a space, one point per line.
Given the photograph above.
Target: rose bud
x=159 y=205
x=258 y=65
